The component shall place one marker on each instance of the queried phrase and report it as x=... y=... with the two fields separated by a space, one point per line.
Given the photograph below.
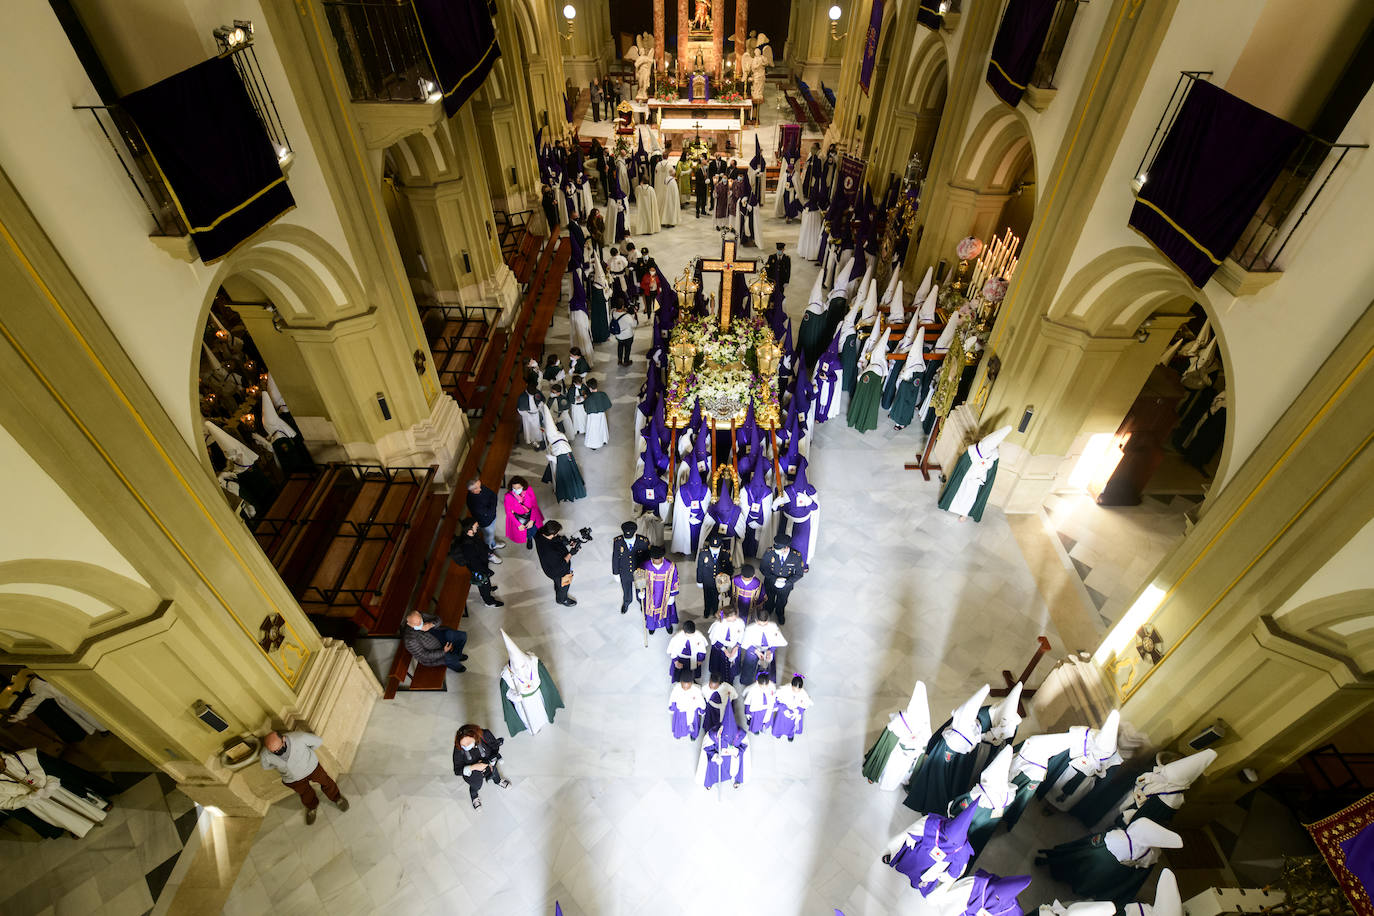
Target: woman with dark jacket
x=476 y=752
x=470 y=549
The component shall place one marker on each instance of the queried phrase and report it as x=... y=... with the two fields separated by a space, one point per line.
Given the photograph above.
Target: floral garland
x=724 y=377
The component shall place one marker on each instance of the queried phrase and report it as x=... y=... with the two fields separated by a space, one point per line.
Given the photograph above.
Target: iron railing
x=1055 y=40
x=133 y=154
x=1305 y=175
x=382 y=50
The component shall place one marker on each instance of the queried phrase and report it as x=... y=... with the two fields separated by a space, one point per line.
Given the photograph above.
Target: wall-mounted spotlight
x=569 y=13
x=231 y=37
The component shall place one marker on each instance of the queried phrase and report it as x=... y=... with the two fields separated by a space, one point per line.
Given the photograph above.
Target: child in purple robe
x=686 y=652
x=790 y=713
x=762 y=639
x=686 y=706
x=719 y=694
x=933 y=852
x=725 y=637
x=748 y=590
x=759 y=702
x=660 y=591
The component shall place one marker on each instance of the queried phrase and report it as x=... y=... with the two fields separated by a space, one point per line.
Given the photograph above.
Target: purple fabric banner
x=1212 y=172
x=875 y=27
x=847 y=184
x=1020 y=38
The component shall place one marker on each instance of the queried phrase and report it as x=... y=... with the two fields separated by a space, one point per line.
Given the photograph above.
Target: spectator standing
x=470 y=550
x=596 y=101
x=523 y=517
x=481 y=503
x=293 y=755
x=433 y=645
x=556 y=560
x=476 y=751
x=623 y=329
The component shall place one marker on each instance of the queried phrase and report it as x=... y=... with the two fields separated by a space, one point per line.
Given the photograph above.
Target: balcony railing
x=1305 y=175
x=123 y=136
x=1055 y=40
x=382 y=50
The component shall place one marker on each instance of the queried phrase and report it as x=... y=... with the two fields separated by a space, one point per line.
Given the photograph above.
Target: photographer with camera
x=476 y=751
x=555 y=558
x=470 y=549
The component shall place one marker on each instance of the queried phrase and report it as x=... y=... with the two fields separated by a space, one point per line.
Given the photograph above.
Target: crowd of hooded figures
x=971 y=777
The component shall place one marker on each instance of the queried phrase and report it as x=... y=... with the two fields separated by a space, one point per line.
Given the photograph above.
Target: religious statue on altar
x=701 y=16
x=641 y=56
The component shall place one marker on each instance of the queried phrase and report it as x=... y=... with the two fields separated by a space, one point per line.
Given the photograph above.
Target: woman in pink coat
x=523 y=517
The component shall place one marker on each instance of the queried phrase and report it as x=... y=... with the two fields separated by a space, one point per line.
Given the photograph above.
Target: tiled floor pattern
x=604 y=814
x=120 y=868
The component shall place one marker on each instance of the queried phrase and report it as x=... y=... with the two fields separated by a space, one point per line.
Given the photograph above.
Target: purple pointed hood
x=757 y=486
x=701 y=442
x=777 y=315
x=800 y=486
x=956 y=828
x=649 y=401
x=577 y=302
x=730 y=732
x=802 y=392
x=693 y=489
x=758 y=161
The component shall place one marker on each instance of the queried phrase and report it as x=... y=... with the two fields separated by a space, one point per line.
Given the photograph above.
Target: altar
x=719 y=120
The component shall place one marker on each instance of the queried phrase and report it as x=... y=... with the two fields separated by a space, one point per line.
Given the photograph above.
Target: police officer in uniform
x=781 y=568
x=628 y=553
x=778 y=267
x=711 y=560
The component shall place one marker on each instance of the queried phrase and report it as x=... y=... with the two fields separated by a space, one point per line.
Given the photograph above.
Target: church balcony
x=1041 y=90
x=1257 y=257
x=382 y=51
x=170 y=232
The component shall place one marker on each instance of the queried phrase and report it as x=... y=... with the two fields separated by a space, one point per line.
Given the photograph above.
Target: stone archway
x=52 y=607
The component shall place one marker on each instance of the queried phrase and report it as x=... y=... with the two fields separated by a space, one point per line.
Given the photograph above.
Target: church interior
x=318 y=313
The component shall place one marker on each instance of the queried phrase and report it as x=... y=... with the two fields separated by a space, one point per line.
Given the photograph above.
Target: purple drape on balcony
x=1212 y=172
x=1020 y=38
x=210 y=146
x=460 y=38
x=928 y=14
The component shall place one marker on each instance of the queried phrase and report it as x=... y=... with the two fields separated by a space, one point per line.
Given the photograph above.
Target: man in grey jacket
x=432 y=644
x=293 y=755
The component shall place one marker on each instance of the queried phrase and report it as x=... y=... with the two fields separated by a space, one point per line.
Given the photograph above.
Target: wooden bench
x=443 y=589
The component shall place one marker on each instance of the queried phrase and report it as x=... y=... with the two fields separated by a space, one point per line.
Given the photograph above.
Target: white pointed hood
x=867 y=279
x=994 y=783
x=924 y=289
x=851 y=318
x=946 y=338
x=891 y=290
x=1167 y=899
x=522 y=665
x=1141 y=835
x=273 y=390
x=210 y=355
x=1180 y=774
x=234 y=450
x=1004 y=716
x=551 y=431
x=870 y=301
x=932 y=299
x=273 y=423
x=1034 y=756
x=986 y=446
x=841 y=287
x=599 y=274
x=817 y=301
x=964 y=732
x=897 y=306
x=1104 y=738
x=909 y=338
x=917 y=713
x=1079 y=908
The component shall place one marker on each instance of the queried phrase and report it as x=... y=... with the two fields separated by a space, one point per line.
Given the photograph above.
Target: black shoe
x=790 y=738
x=462 y=656
x=670 y=631
x=625 y=609
x=568 y=602
x=460 y=669
x=496 y=602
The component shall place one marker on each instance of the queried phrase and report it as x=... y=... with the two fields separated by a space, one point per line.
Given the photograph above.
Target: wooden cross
x=727 y=267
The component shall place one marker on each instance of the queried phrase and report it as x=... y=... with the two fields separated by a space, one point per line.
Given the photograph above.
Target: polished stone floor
x=603 y=814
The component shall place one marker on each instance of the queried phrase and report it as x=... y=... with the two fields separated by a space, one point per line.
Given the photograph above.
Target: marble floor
x=603 y=814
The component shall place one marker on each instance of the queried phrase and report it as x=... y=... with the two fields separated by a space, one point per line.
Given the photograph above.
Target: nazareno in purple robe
x=686 y=723
x=995 y=896
x=802 y=510
x=942 y=840
x=660 y=594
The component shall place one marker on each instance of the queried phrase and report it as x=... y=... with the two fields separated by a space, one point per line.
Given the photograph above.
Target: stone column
x=741 y=31
x=717 y=40
x=684 y=20
x=660 y=36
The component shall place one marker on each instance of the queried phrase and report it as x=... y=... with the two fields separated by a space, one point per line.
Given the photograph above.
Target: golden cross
x=727 y=267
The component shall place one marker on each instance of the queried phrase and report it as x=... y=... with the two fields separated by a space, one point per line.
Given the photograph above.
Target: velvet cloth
x=460 y=39
x=1212 y=173
x=1020 y=38
x=206 y=140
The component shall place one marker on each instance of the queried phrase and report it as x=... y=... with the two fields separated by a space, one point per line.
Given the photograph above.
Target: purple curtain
x=1019 y=40
x=1212 y=172
x=460 y=39
x=209 y=144
x=875 y=27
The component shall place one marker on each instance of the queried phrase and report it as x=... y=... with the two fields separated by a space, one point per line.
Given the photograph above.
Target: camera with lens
x=575 y=543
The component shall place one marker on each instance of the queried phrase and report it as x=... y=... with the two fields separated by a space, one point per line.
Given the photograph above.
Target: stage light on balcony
x=944 y=8
x=233 y=36
x=1140 y=181
x=430 y=91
